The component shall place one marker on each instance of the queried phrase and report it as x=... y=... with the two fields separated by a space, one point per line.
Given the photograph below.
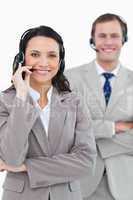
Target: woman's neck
x=42 y=90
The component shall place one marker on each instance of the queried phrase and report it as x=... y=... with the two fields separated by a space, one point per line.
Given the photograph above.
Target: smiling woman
x=42 y=49
x=42 y=53
x=46 y=139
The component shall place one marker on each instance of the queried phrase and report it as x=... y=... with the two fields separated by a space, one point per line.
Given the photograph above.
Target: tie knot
x=108 y=75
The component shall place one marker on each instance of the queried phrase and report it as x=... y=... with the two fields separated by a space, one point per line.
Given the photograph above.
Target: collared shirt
x=45 y=112
x=100 y=71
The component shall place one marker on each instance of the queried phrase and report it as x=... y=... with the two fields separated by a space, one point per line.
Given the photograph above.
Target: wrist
x=21 y=94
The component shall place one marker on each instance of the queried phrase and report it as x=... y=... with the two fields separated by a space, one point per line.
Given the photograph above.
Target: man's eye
x=102 y=36
x=115 y=36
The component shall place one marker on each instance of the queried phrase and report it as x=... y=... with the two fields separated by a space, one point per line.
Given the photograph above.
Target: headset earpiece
x=91 y=41
x=125 y=38
x=62 y=55
x=62 y=65
x=20 y=57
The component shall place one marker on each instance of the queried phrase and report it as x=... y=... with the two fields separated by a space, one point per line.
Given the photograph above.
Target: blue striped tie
x=107 y=87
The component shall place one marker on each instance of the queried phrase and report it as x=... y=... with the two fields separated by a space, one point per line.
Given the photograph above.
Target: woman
x=46 y=141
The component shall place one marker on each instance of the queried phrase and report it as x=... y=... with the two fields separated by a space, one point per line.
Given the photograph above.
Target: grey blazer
x=84 y=79
x=54 y=163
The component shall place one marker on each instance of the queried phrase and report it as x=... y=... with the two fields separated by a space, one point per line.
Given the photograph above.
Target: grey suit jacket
x=84 y=79
x=54 y=163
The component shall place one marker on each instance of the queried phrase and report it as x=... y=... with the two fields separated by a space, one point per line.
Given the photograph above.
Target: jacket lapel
x=40 y=133
x=58 y=111
x=41 y=136
x=118 y=89
x=94 y=83
x=57 y=119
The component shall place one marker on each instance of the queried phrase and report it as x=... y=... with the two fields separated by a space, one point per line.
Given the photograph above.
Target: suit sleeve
x=103 y=129
x=109 y=143
x=66 y=167
x=15 y=127
x=120 y=144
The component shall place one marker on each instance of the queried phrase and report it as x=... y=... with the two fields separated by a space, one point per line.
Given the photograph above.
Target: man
x=107 y=89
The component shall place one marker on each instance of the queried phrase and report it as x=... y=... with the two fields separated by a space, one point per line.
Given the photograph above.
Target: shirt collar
x=35 y=95
x=100 y=70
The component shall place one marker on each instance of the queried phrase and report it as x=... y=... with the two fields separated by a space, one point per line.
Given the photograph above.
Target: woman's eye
x=34 y=54
x=53 y=55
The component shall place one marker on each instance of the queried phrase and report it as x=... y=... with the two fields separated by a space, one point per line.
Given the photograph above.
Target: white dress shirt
x=45 y=112
x=100 y=72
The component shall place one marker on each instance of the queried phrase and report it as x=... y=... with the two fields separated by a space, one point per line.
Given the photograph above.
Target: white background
x=71 y=18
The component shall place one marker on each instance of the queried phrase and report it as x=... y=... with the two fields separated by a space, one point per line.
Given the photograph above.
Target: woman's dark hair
x=59 y=81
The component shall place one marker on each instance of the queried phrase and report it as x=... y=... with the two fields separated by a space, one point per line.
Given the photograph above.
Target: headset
x=123 y=25
x=92 y=44
x=19 y=58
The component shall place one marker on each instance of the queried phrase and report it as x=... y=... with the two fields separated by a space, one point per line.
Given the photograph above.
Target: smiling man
x=107 y=89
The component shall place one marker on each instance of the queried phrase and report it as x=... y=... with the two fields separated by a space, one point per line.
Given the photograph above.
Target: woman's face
x=42 y=53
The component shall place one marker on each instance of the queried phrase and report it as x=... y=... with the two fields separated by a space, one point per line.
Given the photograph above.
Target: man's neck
x=108 y=66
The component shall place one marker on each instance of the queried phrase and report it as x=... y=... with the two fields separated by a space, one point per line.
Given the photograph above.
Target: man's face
x=108 y=41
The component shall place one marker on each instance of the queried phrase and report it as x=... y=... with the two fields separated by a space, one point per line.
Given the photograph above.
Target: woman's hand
x=5 y=167
x=22 y=85
x=2 y=165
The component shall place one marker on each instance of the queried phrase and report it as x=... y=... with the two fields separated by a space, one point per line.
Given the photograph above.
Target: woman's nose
x=44 y=61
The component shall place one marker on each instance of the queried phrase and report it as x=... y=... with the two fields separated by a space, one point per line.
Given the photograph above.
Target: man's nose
x=108 y=40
